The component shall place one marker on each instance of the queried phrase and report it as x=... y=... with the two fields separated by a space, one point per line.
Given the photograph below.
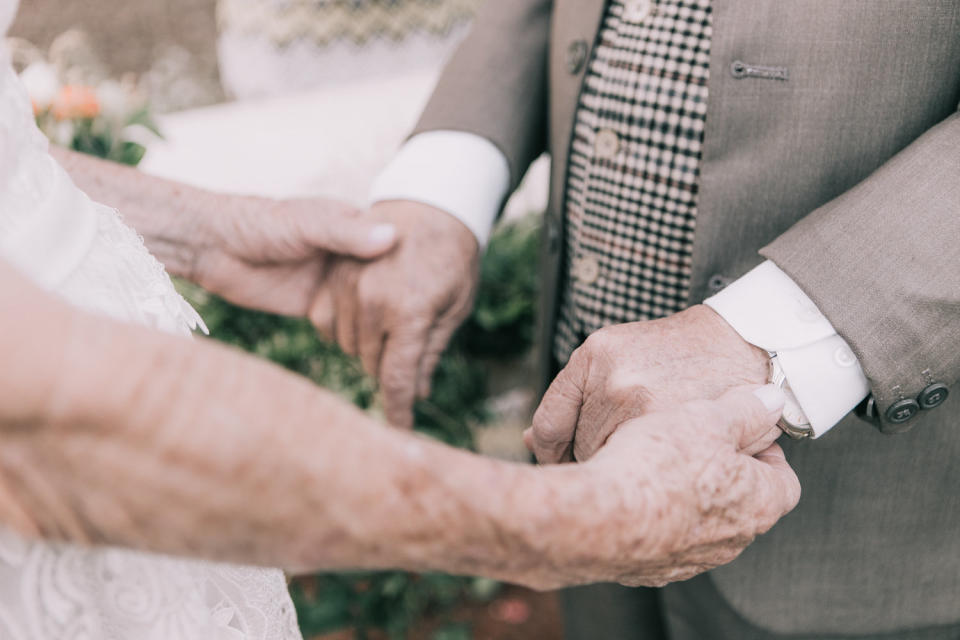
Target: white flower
x=42 y=84
x=139 y=134
x=113 y=99
x=63 y=133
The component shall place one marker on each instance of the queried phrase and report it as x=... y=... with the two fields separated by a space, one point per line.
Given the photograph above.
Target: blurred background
x=291 y=98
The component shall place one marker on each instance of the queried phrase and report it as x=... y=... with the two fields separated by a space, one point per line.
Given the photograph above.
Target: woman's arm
x=170 y=216
x=113 y=434
x=272 y=255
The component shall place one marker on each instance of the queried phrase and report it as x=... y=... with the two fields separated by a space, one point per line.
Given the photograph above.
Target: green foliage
x=389 y=602
x=91 y=138
x=502 y=322
x=501 y=325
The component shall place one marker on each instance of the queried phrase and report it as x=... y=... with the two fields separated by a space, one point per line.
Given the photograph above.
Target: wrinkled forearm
x=176 y=220
x=159 y=443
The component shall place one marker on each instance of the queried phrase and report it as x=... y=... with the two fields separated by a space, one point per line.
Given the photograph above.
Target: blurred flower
x=77 y=106
x=510 y=610
x=42 y=85
x=113 y=99
x=76 y=101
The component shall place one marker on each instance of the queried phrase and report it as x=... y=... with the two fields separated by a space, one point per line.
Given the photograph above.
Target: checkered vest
x=634 y=168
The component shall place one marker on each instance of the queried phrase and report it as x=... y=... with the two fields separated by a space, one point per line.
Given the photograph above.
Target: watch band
x=793 y=420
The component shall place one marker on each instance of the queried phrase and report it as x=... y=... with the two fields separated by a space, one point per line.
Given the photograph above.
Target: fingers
x=401 y=359
x=347 y=311
x=371 y=337
x=321 y=313
x=783 y=486
x=349 y=235
x=439 y=338
x=436 y=343
x=749 y=416
x=555 y=422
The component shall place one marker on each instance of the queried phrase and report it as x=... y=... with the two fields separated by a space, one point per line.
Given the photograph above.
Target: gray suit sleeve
x=882 y=261
x=495 y=86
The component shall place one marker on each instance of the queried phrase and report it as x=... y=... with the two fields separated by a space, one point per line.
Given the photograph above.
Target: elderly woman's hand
x=276 y=255
x=670 y=495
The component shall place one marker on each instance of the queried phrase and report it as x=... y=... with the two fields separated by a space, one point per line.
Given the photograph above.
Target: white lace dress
x=52 y=232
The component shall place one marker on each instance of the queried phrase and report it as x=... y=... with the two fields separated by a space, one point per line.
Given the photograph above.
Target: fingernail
x=771 y=396
x=382 y=234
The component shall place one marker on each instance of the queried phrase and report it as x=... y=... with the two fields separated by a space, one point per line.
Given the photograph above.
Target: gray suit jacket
x=847 y=175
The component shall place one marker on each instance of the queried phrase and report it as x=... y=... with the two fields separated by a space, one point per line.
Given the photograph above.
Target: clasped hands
x=647 y=406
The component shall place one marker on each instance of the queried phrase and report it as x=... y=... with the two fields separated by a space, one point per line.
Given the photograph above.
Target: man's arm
x=490 y=104
x=495 y=86
x=881 y=264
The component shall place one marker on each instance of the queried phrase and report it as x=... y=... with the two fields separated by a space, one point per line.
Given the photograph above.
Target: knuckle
x=627 y=391
x=596 y=342
x=549 y=436
x=397 y=382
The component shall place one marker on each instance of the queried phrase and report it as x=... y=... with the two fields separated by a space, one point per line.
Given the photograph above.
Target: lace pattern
x=63 y=592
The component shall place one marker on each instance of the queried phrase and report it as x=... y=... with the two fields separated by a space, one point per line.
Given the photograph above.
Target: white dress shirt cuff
x=461 y=173
x=769 y=310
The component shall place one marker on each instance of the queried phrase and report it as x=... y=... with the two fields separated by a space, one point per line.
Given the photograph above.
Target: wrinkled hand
x=399 y=312
x=276 y=256
x=672 y=494
x=631 y=369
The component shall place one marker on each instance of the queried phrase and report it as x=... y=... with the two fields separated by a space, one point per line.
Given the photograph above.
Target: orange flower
x=75 y=101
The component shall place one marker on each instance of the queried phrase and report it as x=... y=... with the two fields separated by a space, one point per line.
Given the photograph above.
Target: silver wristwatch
x=793 y=421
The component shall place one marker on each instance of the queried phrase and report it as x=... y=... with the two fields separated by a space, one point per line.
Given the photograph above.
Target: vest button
x=586 y=270
x=607 y=144
x=638 y=10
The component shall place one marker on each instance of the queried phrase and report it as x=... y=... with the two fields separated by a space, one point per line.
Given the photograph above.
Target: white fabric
x=43 y=242
x=63 y=592
x=461 y=173
x=769 y=310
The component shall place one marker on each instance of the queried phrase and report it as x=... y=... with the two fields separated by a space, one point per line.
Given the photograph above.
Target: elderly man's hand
x=672 y=494
x=399 y=312
x=630 y=369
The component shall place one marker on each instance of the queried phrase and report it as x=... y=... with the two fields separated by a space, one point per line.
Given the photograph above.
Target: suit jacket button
x=718 y=283
x=553 y=235
x=933 y=395
x=576 y=56
x=902 y=410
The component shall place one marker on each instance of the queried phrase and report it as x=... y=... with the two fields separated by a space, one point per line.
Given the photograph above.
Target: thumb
x=555 y=421
x=350 y=235
x=752 y=415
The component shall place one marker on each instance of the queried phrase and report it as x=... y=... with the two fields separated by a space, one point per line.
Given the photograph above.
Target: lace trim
x=120 y=278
